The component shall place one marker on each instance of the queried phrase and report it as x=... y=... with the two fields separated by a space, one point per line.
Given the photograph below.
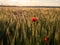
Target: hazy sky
x=31 y=2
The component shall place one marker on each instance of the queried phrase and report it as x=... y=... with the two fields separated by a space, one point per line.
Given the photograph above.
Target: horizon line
x=30 y=6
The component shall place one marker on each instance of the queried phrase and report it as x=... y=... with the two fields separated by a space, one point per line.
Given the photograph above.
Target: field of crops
x=29 y=26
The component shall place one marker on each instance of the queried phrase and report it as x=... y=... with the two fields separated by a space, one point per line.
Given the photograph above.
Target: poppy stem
x=46 y=43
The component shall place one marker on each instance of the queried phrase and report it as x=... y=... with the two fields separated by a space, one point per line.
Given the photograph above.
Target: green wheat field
x=18 y=28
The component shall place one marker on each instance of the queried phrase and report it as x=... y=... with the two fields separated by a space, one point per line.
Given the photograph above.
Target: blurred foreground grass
x=17 y=27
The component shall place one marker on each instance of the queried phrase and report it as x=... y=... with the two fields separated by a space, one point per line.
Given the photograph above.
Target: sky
x=31 y=2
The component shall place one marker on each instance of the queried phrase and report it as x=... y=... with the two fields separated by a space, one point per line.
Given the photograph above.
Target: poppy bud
x=46 y=39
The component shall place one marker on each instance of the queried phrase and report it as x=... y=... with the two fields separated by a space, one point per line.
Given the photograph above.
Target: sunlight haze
x=31 y=2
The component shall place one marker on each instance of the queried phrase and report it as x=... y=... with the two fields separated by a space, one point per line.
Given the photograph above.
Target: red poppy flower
x=34 y=19
x=46 y=39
